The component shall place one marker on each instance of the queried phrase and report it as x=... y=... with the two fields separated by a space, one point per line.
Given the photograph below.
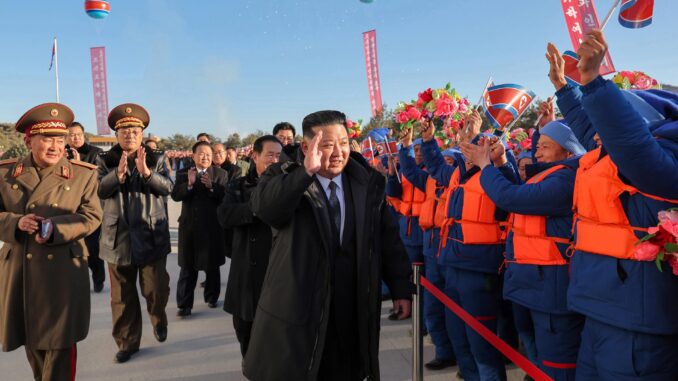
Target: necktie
x=335 y=209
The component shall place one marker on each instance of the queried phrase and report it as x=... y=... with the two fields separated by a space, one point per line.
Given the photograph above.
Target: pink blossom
x=646 y=251
x=669 y=221
x=402 y=117
x=445 y=106
x=673 y=262
x=643 y=82
x=413 y=113
x=462 y=107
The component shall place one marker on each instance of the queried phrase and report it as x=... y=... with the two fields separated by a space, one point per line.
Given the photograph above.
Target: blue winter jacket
x=410 y=232
x=418 y=177
x=481 y=258
x=542 y=288
x=628 y=294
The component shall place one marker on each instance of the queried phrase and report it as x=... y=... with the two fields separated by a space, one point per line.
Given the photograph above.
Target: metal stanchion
x=417 y=341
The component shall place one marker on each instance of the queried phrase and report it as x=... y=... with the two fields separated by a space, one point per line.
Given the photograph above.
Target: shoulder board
x=83 y=164
x=8 y=161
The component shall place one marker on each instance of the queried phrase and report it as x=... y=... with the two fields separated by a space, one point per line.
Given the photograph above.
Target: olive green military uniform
x=44 y=288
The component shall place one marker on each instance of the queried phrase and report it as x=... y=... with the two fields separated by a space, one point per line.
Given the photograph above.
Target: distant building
x=103 y=142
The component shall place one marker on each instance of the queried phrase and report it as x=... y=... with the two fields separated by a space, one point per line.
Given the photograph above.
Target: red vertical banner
x=98 y=56
x=581 y=17
x=372 y=65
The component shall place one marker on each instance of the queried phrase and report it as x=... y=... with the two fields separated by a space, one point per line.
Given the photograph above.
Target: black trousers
x=95 y=264
x=341 y=355
x=243 y=329
x=188 y=278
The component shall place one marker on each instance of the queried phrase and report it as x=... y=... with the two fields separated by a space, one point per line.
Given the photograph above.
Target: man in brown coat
x=48 y=205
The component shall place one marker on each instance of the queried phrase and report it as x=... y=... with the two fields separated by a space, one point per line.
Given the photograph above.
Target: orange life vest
x=531 y=245
x=602 y=225
x=429 y=216
x=411 y=200
x=478 y=225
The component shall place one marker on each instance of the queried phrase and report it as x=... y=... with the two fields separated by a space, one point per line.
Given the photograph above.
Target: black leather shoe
x=160 y=333
x=184 y=312
x=98 y=286
x=438 y=364
x=393 y=316
x=460 y=376
x=212 y=304
x=124 y=356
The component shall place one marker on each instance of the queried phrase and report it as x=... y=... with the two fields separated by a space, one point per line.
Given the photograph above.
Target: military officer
x=48 y=205
x=135 y=240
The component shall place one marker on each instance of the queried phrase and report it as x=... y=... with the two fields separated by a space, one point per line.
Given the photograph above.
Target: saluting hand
x=122 y=167
x=140 y=161
x=312 y=161
x=556 y=66
x=591 y=54
x=355 y=147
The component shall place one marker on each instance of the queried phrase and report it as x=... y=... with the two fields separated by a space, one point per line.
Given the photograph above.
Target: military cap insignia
x=128 y=110
x=65 y=172
x=18 y=170
x=54 y=112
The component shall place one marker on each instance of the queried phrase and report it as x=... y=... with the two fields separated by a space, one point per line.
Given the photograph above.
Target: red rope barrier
x=518 y=359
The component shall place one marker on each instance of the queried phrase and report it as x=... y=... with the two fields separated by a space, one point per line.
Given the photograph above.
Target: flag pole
x=609 y=14
x=56 y=68
x=482 y=95
x=510 y=126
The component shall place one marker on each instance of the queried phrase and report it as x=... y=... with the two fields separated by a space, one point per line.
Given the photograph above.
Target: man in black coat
x=200 y=190
x=219 y=160
x=320 y=305
x=251 y=241
x=78 y=149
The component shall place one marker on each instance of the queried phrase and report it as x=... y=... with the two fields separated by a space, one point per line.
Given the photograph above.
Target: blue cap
x=564 y=136
x=525 y=155
x=417 y=142
x=450 y=152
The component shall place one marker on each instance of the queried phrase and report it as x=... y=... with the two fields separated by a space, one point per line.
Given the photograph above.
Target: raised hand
x=406 y=136
x=591 y=54
x=557 y=66
x=497 y=151
x=355 y=147
x=206 y=180
x=122 y=167
x=477 y=154
x=192 y=172
x=140 y=162
x=312 y=161
x=471 y=127
x=428 y=130
x=546 y=112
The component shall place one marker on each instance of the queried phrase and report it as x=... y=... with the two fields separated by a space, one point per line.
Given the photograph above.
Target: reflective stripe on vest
x=427 y=217
x=411 y=200
x=602 y=226
x=531 y=245
x=478 y=225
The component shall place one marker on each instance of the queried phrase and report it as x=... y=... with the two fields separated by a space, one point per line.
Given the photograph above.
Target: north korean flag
x=506 y=102
x=368 y=149
x=636 y=13
x=572 y=74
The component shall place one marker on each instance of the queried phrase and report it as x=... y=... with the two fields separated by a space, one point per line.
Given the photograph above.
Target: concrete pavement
x=201 y=348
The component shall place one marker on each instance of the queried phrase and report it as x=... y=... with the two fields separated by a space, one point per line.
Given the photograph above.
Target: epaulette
x=83 y=164
x=9 y=161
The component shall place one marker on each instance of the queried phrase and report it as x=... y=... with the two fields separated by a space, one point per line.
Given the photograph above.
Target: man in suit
x=200 y=190
x=135 y=240
x=48 y=205
x=220 y=160
x=251 y=241
x=81 y=150
x=320 y=306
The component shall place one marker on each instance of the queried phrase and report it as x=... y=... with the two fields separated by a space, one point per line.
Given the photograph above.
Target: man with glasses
x=135 y=240
x=285 y=132
x=80 y=150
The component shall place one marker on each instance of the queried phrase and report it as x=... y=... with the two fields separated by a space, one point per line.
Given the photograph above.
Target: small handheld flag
x=572 y=74
x=636 y=13
x=505 y=103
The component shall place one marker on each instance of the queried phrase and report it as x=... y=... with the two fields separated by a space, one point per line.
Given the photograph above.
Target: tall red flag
x=581 y=17
x=372 y=64
x=636 y=13
x=98 y=56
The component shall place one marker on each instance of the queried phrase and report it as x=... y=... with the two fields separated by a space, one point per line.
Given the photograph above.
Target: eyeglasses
x=76 y=135
x=129 y=131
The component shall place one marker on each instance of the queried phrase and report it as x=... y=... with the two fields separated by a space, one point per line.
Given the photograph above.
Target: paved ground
x=202 y=348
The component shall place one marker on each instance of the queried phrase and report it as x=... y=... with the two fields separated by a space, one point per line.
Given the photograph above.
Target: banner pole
x=609 y=14
x=56 y=68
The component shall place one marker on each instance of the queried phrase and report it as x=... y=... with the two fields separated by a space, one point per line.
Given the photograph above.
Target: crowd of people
x=542 y=245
